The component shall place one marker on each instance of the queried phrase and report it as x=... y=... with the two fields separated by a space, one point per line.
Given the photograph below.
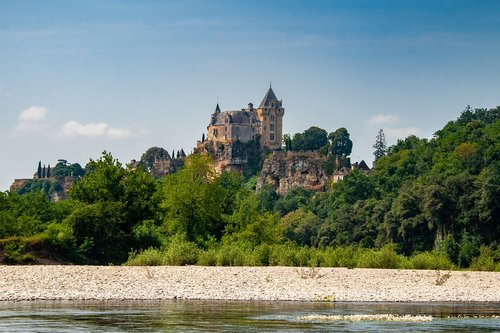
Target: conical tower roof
x=269 y=99
x=217 y=108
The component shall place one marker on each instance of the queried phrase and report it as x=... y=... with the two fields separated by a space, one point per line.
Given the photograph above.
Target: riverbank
x=19 y=283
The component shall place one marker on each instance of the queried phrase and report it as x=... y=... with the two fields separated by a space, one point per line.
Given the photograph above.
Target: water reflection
x=219 y=316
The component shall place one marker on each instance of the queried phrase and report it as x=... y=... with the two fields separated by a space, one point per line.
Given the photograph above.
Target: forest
x=427 y=204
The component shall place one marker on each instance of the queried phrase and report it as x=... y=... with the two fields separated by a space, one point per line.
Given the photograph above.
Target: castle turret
x=270 y=114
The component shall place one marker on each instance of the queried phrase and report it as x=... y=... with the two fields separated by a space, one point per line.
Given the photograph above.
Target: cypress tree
x=48 y=171
x=39 y=170
x=43 y=171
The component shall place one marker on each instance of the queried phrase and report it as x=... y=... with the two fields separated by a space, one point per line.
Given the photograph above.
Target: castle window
x=265 y=118
x=265 y=128
x=271 y=127
x=271 y=137
x=272 y=117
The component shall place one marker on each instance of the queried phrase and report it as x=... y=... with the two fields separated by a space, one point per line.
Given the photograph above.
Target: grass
x=182 y=252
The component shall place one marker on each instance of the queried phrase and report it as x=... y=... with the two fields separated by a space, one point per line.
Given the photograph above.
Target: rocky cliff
x=284 y=170
x=56 y=188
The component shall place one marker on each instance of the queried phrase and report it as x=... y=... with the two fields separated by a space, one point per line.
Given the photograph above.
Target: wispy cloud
x=93 y=130
x=389 y=122
x=36 y=119
x=382 y=119
x=401 y=133
x=32 y=119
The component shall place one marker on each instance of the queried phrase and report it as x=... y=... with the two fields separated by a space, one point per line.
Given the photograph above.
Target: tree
x=315 y=138
x=286 y=142
x=380 y=145
x=340 y=142
x=192 y=200
x=102 y=182
x=64 y=169
x=111 y=202
x=295 y=198
x=39 y=171
x=153 y=153
x=300 y=226
x=43 y=171
x=48 y=171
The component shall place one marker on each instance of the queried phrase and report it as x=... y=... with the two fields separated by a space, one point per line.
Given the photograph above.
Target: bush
x=60 y=239
x=14 y=254
x=148 y=257
x=341 y=257
x=181 y=252
x=485 y=261
x=386 y=257
x=283 y=255
x=231 y=255
x=261 y=255
x=430 y=260
x=207 y=258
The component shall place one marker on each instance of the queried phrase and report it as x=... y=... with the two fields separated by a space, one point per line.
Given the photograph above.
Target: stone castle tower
x=270 y=115
x=246 y=124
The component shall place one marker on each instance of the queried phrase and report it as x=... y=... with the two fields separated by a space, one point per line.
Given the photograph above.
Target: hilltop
x=426 y=203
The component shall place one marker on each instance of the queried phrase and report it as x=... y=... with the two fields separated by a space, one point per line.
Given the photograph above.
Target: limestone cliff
x=236 y=156
x=56 y=188
x=284 y=170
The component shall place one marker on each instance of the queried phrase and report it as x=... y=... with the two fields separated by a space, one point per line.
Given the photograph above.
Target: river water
x=220 y=316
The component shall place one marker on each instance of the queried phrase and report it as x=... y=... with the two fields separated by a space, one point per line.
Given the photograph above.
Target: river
x=223 y=316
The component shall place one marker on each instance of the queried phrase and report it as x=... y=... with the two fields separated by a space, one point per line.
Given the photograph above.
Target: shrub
x=485 y=261
x=430 y=260
x=14 y=254
x=230 y=255
x=341 y=257
x=386 y=257
x=207 y=258
x=302 y=256
x=283 y=255
x=180 y=252
x=60 y=239
x=148 y=257
x=261 y=255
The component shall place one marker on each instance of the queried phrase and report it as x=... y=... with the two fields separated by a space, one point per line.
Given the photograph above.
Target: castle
x=237 y=138
x=246 y=124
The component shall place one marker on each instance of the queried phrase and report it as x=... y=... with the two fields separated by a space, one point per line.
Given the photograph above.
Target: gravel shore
x=19 y=283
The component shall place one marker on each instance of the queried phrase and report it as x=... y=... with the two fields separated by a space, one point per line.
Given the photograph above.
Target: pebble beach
x=22 y=283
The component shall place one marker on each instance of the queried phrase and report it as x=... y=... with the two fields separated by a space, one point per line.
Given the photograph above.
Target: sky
x=81 y=77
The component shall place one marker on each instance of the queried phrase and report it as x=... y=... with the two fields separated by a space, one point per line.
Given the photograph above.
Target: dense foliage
x=426 y=204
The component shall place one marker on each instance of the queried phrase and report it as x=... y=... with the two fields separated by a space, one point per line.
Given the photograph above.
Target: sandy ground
x=245 y=283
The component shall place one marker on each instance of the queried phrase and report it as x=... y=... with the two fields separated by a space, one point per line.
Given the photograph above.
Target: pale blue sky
x=80 y=77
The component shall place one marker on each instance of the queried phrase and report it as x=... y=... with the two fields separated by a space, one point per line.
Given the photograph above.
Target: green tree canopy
x=153 y=153
x=340 y=142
